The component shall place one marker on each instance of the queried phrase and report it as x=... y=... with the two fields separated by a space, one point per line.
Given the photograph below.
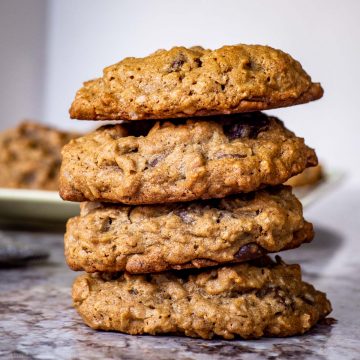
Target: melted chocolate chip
x=245 y=125
x=249 y=251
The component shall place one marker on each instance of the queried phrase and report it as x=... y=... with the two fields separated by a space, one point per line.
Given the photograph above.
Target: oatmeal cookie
x=184 y=82
x=250 y=300
x=140 y=239
x=181 y=161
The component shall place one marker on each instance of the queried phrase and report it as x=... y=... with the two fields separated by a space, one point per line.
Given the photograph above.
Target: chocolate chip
x=133 y=291
x=105 y=227
x=248 y=65
x=198 y=62
x=240 y=131
x=249 y=251
x=251 y=65
x=153 y=162
x=177 y=63
x=245 y=125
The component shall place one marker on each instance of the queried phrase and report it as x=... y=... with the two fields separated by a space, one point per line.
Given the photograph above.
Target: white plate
x=47 y=206
x=38 y=205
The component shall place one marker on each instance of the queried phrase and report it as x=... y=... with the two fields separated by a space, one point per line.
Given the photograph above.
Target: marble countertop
x=37 y=320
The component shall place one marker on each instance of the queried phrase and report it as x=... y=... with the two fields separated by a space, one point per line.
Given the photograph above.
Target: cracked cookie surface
x=250 y=300
x=184 y=82
x=140 y=239
x=182 y=160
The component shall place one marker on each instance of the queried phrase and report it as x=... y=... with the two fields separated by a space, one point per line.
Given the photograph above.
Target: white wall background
x=22 y=59
x=83 y=36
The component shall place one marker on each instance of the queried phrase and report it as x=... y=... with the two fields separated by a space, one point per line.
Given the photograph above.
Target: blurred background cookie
x=309 y=176
x=30 y=156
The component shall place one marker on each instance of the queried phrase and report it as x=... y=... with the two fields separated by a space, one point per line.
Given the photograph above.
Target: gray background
x=49 y=47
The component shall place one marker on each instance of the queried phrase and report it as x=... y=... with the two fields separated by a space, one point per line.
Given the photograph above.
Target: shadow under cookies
x=314 y=256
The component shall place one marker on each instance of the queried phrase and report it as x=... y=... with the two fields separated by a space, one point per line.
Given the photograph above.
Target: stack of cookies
x=181 y=207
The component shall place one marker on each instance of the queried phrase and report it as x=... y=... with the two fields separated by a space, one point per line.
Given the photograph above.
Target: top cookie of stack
x=185 y=82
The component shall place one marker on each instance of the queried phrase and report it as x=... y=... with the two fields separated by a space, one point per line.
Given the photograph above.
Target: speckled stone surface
x=37 y=320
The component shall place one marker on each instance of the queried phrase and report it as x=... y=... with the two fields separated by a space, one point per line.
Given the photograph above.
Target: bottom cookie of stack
x=249 y=300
